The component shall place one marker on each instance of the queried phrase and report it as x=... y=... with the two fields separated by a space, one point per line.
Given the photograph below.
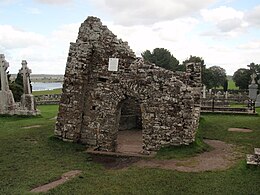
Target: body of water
x=39 y=86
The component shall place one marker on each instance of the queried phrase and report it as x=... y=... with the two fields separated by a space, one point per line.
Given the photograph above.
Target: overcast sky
x=223 y=32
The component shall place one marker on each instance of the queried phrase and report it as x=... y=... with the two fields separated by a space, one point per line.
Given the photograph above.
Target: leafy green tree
x=207 y=76
x=17 y=91
x=242 y=78
x=161 y=57
x=17 y=87
x=218 y=76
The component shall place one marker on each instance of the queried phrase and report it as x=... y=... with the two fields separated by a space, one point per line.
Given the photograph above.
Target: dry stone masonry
x=107 y=88
x=254 y=159
x=7 y=104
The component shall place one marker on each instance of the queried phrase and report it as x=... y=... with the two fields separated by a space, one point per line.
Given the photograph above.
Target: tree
x=218 y=76
x=17 y=87
x=207 y=76
x=161 y=57
x=242 y=78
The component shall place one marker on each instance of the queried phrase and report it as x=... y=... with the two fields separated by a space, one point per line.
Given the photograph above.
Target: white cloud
x=220 y=14
x=167 y=34
x=33 y=10
x=66 y=33
x=44 y=54
x=229 y=58
x=253 y=17
x=229 y=24
x=137 y=12
x=7 y=1
x=224 y=21
x=11 y=38
x=54 y=1
x=251 y=45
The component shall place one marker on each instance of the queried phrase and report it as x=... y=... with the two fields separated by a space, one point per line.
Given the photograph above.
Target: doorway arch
x=129 y=135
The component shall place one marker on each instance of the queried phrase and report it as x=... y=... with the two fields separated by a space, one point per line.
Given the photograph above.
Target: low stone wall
x=48 y=99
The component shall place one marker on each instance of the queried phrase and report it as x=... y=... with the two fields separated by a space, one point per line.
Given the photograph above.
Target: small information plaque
x=113 y=64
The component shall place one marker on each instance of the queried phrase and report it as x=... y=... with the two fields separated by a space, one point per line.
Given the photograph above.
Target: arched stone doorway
x=129 y=137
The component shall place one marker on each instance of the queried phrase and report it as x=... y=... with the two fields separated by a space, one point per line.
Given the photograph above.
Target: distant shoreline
x=46 y=86
x=43 y=78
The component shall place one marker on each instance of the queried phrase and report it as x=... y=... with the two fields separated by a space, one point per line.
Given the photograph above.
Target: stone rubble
x=90 y=106
x=254 y=159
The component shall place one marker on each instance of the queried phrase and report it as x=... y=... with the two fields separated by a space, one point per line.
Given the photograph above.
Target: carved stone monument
x=257 y=101
x=204 y=92
x=27 y=100
x=99 y=94
x=7 y=103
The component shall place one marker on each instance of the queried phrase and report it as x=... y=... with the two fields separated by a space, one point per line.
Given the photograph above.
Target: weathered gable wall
x=92 y=96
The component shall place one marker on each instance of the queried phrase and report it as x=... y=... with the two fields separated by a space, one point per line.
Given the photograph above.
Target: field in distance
x=46 y=78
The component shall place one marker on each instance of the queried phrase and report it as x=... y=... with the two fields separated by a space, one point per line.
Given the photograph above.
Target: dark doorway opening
x=131 y=116
x=129 y=138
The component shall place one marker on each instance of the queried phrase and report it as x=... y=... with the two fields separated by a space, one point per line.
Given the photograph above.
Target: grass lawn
x=47 y=92
x=32 y=157
x=232 y=85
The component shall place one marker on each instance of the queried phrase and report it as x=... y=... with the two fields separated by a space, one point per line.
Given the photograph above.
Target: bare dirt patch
x=65 y=177
x=112 y=162
x=222 y=157
x=30 y=127
x=129 y=141
x=240 y=130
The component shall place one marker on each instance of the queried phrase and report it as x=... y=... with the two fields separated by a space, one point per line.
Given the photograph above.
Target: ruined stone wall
x=92 y=96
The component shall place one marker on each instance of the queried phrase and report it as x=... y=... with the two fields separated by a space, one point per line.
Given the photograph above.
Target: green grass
x=31 y=157
x=47 y=92
x=216 y=126
x=231 y=85
x=238 y=105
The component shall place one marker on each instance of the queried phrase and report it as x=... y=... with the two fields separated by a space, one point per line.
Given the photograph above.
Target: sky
x=224 y=33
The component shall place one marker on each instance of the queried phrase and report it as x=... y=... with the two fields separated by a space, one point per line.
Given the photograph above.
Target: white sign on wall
x=113 y=64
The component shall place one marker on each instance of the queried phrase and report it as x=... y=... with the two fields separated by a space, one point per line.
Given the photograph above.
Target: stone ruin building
x=108 y=89
x=7 y=104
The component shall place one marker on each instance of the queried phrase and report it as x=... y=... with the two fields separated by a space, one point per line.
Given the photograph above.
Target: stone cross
x=25 y=72
x=253 y=77
x=3 y=67
x=210 y=91
x=204 y=92
x=226 y=95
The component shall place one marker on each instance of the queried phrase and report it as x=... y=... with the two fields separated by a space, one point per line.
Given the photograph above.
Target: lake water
x=38 y=86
